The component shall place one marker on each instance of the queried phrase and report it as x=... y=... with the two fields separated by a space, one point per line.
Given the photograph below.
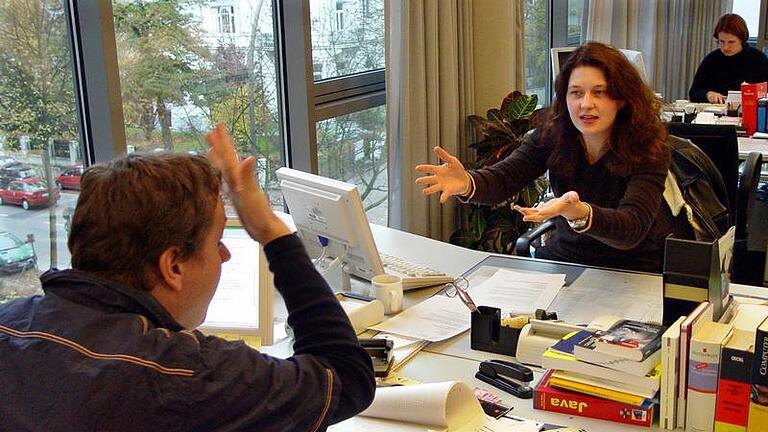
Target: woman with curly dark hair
x=604 y=146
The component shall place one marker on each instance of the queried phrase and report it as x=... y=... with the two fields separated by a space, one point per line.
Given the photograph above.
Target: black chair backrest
x=720 y=143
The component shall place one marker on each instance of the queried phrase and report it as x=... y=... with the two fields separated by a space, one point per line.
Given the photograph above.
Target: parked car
x=6 y=161
x=27 y=193
x=70 y=177
x=15 y=255
x=16 y=172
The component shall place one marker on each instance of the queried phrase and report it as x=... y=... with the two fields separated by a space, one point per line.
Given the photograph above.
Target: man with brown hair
x=112 y=346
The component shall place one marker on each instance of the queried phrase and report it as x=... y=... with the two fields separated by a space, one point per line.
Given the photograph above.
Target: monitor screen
x=329 y=214
x=558 y=57
x=241 y=308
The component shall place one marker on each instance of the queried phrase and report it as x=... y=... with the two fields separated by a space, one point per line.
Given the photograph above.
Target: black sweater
x=720 y=73
x=629 y=218
x=93 y=355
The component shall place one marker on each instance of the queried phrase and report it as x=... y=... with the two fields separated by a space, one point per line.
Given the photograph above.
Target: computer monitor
x=241 y=308
x=329 y=214
x=636 y=58
x=560 y=55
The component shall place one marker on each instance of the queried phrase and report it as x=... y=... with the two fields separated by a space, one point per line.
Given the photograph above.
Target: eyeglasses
x=459 y=288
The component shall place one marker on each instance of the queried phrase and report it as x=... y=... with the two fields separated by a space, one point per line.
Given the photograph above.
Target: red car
x=70 y=177
x=27 y=193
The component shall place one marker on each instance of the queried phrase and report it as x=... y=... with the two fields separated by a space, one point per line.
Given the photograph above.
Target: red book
x=732 y=409
x=750 y=93
x=553 y=399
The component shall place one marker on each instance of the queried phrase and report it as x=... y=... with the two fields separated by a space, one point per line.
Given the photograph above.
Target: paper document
x=236 y=301
x=436 y=318
x=517 y=292
x=446 y=406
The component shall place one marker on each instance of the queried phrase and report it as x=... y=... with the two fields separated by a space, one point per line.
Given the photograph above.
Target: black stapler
x=511 y=377
x=380 y=351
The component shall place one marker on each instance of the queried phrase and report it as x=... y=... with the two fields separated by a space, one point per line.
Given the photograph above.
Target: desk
x=748 y=145
x=454 y=360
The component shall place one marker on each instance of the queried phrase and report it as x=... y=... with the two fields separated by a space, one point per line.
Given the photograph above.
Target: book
x=549 y=398
x=585 y=350
x=670 y=342
x=703 y=371
x=758 y=395
x=750 y=94
x=732 y=406
x=634 y=340
x=443 y=406
x=596 y=390
x=553 y=359
x=698 y=316
x=608 y=384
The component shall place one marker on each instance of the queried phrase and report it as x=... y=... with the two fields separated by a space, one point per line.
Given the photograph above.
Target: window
x=39 y=136
x=749 y=10
x=179 y=78
x=348 y=57
x=226 y=19
x=353 y=148
x=537 y=44
x=347 y=37
x=339 y=16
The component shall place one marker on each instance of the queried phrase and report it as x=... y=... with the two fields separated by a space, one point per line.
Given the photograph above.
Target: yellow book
x=600 y=392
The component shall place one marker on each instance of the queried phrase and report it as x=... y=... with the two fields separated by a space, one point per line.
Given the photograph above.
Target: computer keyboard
x=414 y=275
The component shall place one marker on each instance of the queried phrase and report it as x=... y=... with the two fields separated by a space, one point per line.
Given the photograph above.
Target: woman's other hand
x=450 y=178
x=568 y=206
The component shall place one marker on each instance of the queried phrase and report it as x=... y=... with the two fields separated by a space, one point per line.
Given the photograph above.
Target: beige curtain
x=440 y=69
x=429 y=76
x=673 y=35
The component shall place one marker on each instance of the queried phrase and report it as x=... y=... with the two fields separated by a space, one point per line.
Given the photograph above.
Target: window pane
x=537 y=76
x=353 y=148
x=38 y=140
x=186 y=65
x=749 y=10
x=575 y=14
x=347 y=36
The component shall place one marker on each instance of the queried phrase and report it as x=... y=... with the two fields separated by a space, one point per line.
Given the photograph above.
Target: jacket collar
x=96 y=292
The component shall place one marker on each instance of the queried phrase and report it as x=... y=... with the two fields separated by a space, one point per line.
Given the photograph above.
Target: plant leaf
x=522 y=107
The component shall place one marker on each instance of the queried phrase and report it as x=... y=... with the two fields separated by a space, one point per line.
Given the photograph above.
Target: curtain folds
x=673 y=35
x=440 y=69
x=429 y=92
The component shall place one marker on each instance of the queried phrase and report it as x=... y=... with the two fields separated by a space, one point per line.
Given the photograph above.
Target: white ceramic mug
x=388 y=289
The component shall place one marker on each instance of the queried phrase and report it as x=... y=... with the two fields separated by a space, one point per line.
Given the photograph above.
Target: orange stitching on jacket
x=328 y=396
x=97 y=356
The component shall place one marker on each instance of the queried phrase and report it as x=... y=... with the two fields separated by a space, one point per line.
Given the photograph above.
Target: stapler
x=380 y=351
x=511 y=377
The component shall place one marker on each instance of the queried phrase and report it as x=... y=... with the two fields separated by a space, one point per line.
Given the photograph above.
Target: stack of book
x=611 y=375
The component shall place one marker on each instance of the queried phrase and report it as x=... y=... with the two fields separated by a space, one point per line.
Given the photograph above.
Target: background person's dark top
x=720 y=73
x=629 y=218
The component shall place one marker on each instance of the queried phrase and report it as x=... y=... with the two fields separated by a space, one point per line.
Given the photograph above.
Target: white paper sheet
x=517 y=292
x=436 y=318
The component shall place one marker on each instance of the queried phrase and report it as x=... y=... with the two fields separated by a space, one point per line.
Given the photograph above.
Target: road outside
x=36 y=221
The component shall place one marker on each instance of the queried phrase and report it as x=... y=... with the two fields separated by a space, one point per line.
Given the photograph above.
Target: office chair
x=719 y=142
x=748 y=260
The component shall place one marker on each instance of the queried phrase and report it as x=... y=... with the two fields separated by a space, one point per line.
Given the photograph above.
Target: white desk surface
x=453 y=359
x=748 y=145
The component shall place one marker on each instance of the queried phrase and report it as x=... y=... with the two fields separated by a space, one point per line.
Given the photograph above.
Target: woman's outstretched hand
x=568 y=205
x=450 y=178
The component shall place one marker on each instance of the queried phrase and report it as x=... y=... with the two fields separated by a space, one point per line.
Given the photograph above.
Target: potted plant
x=495 y=228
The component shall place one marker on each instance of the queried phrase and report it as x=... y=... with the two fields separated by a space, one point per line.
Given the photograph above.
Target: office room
x=360 y=93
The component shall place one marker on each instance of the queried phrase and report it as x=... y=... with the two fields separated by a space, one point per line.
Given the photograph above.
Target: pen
x=357 y=296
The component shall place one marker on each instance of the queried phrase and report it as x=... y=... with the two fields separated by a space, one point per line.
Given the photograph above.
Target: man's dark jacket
x=91 y=355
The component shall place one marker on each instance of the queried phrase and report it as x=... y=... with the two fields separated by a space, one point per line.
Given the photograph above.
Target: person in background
x=604 y=146
x=112 y=345
x=733 y=63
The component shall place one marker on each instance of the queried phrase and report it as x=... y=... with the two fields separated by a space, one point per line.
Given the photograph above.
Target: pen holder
x=487 y=334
